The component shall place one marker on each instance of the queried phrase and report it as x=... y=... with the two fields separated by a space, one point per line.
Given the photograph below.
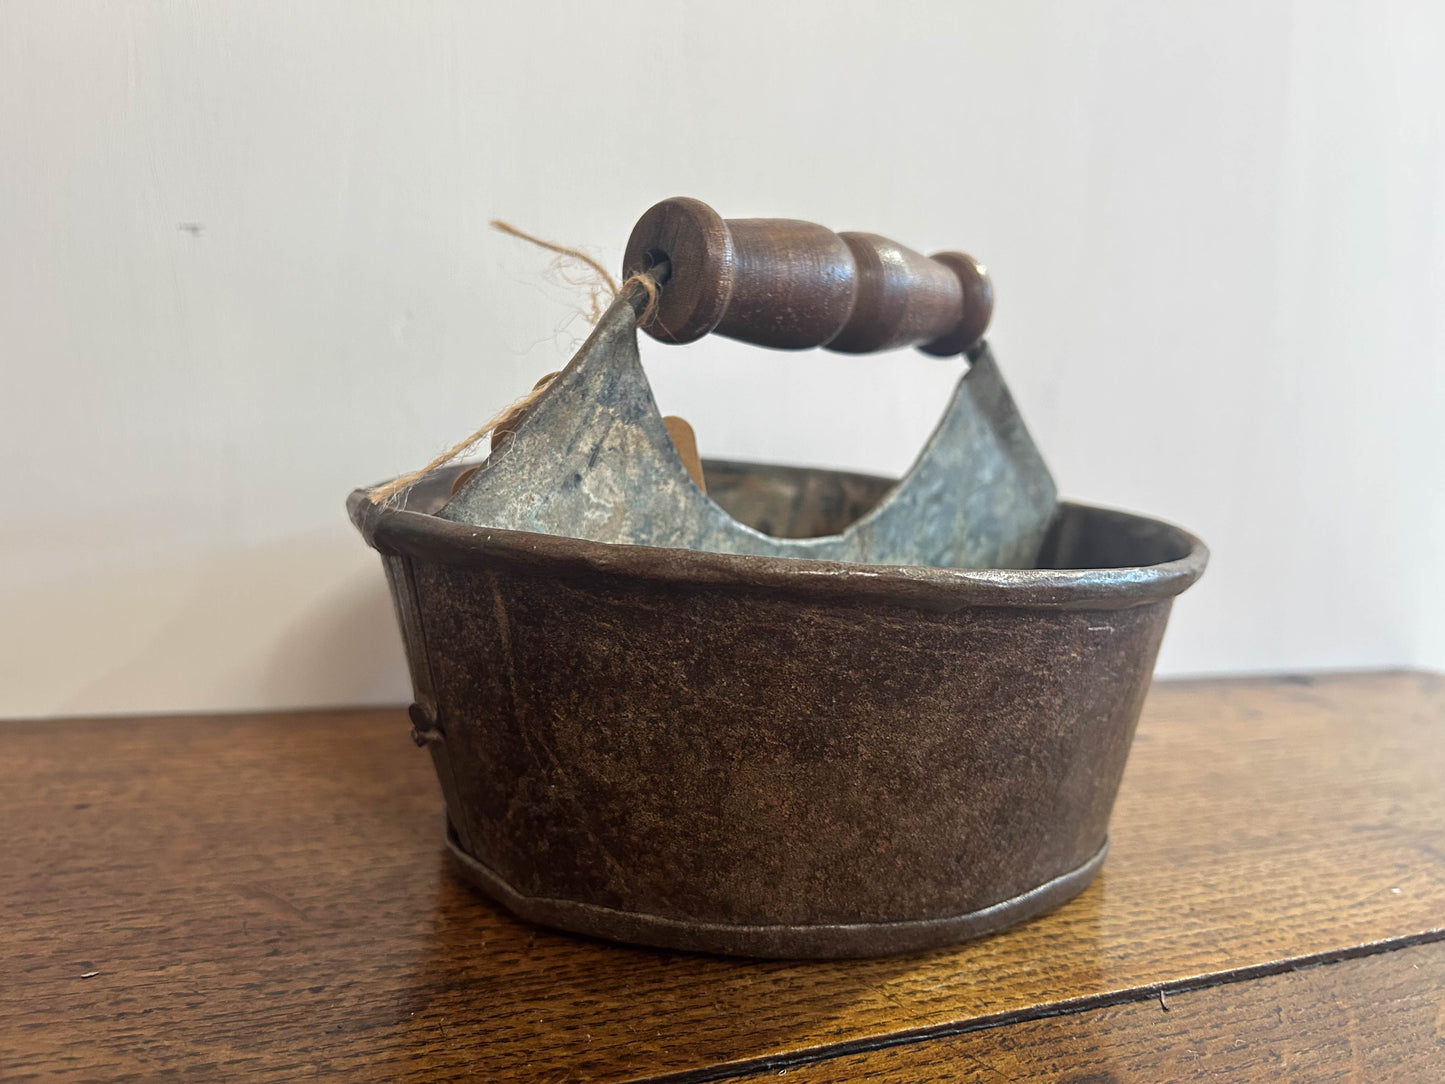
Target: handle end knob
x=977 y=305
x=699 y=246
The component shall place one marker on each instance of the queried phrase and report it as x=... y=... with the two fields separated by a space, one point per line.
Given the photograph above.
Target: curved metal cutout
x=593 y=460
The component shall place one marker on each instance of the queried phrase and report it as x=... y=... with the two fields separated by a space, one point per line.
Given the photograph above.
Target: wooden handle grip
x=788 y=284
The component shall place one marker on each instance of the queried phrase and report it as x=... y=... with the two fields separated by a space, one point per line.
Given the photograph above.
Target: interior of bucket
x=804 y=502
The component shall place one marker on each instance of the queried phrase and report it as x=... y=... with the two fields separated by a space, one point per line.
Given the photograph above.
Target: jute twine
x=604 y=291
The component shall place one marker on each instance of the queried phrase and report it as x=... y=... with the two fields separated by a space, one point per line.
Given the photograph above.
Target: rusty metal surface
x=593 y=460
x=770 y=756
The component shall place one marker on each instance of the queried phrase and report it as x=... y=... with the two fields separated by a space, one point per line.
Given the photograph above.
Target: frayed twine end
x=509 y=416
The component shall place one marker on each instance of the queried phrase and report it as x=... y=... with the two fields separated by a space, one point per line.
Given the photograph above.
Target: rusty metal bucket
x=772 y=756
x=789 y=712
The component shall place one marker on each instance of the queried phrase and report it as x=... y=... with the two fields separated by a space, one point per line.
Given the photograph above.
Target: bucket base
x=819 y=942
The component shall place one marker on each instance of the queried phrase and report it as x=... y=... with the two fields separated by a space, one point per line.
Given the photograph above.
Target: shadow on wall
x=345 y=644
x=305 y=622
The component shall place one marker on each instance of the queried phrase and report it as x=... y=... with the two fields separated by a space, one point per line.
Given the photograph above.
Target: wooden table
x=265 y=897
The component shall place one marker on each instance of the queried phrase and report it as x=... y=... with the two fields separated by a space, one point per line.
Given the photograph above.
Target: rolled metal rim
x=419 y=534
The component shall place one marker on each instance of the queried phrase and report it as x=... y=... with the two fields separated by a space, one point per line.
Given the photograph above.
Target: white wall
x=1217 y=233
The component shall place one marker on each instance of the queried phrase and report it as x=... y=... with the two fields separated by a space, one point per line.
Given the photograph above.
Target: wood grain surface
x=266 y=897
x=1378 y=1018
x=791 y=284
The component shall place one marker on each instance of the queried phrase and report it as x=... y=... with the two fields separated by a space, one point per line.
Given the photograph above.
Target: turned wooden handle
x=788 y=284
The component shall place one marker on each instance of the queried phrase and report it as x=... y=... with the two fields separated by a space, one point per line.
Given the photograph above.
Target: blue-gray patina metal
x=593 y=460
